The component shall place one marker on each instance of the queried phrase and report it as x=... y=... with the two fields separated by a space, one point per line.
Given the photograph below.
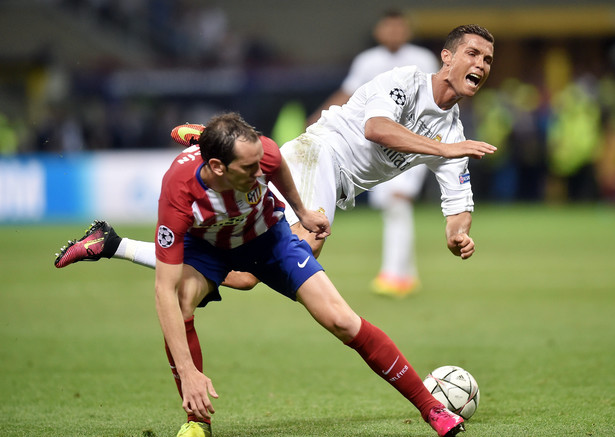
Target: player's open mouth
x=474 y=79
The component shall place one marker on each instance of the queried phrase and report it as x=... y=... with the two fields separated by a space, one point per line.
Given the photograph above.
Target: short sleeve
x=272 y=157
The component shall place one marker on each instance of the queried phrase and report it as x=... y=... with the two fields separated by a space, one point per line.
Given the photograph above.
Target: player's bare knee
x=316 y=246
x=310 y=238
x=344 y=325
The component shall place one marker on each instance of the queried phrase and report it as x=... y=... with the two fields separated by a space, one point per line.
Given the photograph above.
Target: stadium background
x=88 y=93
x=81 y=77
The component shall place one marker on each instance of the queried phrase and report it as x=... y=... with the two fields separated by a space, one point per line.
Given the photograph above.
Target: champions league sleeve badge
x=398 y=96
x=165 y=237
x=464 y=178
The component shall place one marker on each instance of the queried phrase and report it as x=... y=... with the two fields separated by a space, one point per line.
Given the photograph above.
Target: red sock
x=385 y=359
x=197 y=359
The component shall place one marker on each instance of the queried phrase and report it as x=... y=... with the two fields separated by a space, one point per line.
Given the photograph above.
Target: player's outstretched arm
x=393 y=135
x=457 y=235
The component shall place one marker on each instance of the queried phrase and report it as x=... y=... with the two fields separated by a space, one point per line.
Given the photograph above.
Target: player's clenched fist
x=461 y=245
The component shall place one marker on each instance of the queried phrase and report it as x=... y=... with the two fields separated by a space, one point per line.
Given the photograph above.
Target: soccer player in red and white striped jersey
x=217 y=214
x=225 y=219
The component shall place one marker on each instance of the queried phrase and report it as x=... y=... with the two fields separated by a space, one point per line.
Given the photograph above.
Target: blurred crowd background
x=88 y=75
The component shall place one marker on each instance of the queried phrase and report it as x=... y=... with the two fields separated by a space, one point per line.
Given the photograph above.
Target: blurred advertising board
x=120 y=186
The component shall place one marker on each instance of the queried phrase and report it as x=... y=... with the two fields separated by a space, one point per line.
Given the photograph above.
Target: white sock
x=139 y=252
x=398 y=239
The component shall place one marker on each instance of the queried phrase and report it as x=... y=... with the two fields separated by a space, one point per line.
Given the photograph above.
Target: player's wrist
x=301 y=212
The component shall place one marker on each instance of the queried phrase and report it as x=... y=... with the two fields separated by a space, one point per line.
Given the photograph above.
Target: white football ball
x=456 y=388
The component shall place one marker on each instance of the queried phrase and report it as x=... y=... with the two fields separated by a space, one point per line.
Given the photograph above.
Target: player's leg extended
x=329 y=309
x=327 y=306
x=101 y=241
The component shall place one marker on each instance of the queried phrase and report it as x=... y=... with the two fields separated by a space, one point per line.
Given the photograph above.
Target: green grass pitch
x=531 y=316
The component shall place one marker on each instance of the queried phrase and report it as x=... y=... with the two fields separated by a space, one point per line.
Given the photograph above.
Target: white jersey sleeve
x=455 y=188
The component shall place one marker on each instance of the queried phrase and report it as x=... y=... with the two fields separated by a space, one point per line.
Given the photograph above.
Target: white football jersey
x=404 y=95
x=367 y=65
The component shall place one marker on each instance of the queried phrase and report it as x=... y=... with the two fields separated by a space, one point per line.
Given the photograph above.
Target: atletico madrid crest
x=254 y=196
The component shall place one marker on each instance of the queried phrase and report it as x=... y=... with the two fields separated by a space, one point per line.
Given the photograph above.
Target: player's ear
x=216 y=166
x=446 y=56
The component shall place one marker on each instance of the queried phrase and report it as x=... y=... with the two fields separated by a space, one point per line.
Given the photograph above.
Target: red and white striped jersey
x=224 y=219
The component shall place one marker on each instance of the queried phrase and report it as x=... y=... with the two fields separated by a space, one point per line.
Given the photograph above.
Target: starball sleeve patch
x=398 y=96
x=165 y=237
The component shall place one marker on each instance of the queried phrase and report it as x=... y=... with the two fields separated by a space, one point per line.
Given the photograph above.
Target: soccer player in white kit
x=398 y=273
x=396 y=121
x=400 y=119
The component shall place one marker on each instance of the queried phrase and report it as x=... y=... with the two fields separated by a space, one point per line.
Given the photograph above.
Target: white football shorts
x=315 y=174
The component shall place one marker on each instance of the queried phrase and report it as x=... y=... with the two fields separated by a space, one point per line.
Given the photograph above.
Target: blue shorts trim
x=277 y=258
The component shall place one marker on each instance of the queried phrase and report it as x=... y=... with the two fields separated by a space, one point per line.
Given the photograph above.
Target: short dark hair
x=393 y=13
x=218 y=138
x=455 y=36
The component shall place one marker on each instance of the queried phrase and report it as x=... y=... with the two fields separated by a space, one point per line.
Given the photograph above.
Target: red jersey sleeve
x=272 y=157
x=174 y=219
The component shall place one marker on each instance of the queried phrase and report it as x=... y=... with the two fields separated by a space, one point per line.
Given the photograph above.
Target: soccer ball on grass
x=456 y=388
